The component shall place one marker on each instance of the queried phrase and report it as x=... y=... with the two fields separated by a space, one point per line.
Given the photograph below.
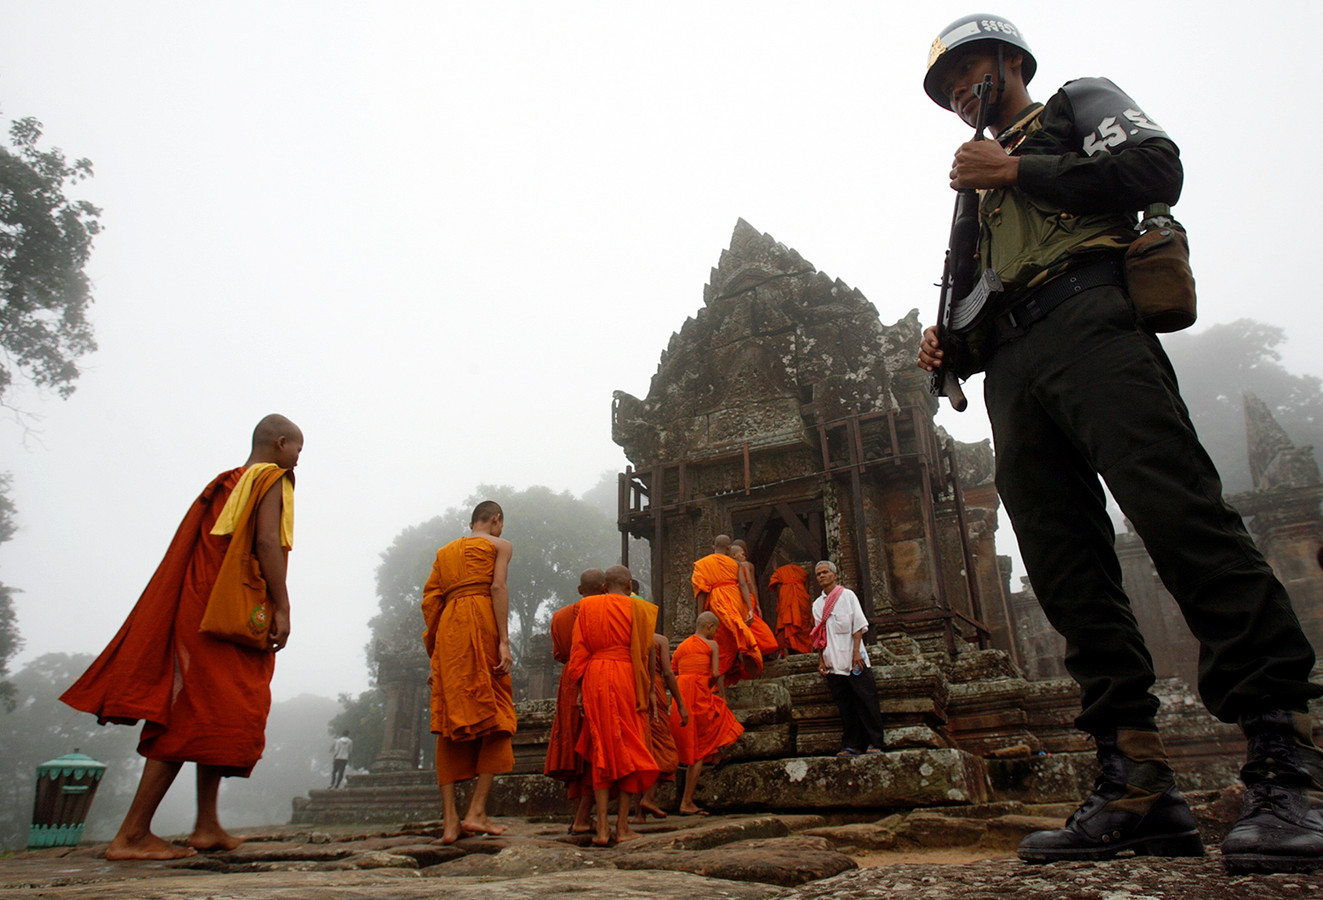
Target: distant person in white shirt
x=838 y=636
x=340 y=750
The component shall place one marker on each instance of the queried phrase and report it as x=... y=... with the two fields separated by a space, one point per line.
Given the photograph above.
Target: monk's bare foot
x=602 y=840
x=149 y=847
x=482 y=825
x=651 y=809
x=451 y=834
x=692 y=811
x=213 y=839
x=582 y=829
x=628 y=834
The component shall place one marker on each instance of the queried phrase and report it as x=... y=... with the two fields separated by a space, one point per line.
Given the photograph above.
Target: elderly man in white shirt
x=844 y=661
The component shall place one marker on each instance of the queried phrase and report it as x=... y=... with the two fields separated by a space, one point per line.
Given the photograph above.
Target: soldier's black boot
x=1134 y=807
x=1280 y=828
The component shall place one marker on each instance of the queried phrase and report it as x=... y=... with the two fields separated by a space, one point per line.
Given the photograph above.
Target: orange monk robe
x=711 y=723
x=660 y=740
x=609 y=659
x=762 y=633
x=564 y=762
x=717 y=575
x=472 y=707
x=202 y=699
x=794 y=610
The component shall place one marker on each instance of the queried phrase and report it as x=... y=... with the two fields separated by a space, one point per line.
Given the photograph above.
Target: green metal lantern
x=65 y=788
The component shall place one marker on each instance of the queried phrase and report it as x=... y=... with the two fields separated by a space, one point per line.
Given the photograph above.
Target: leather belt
x=1016 y=321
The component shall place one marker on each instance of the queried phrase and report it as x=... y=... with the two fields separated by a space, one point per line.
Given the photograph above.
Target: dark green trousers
x=1089 y=392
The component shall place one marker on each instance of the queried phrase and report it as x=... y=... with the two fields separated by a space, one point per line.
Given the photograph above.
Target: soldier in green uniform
x=1078 y=387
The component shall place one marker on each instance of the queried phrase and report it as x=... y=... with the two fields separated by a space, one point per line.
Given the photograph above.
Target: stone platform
x=954 y=852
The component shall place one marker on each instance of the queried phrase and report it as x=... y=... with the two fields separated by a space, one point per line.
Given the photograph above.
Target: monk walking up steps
x=717 y=587
x=611 y=662
x=794 y=609
x=660 y=740
x=203 y=699
x=466 y=606
x=711 y=726
x=748 y=576
x=563 y=761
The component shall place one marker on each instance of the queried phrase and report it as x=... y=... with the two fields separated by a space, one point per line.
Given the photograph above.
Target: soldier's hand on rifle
x=930 y=356
x=983 y=164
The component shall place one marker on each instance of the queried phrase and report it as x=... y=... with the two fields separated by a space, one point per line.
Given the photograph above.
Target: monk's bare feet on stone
x=628 y=834
x=692 y=811
x=217 y=839
x=149 y=847
x=482 y=825
x=651 y=809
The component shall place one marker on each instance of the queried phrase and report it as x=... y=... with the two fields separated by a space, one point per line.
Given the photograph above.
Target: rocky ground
x=964 y=853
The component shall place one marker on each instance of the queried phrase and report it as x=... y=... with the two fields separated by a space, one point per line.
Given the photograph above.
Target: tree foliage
x=45 y=241
x=10 y=639
x=1217 y=366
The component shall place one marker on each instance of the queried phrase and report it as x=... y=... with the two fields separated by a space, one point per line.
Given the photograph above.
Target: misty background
x=438 y=235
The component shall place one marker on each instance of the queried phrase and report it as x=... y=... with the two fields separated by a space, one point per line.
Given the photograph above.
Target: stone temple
x=788 y=414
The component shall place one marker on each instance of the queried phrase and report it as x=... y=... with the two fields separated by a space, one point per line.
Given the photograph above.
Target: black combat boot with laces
x=1134 y=807
x=1280 y=828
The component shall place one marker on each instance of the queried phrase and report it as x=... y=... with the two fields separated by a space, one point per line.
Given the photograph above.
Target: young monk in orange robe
x=716 y=581
x=660 y=740
x=466 y=606
x=563 y=761
x=202 y=699
x=748 y=577
x=711 y=724
x=611 y=659
x=794 y=609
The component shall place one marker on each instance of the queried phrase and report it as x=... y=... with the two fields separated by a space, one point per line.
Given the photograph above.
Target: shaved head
x=276 y=440
x=273 y=427
x=721 y=543
x=485 y=512
x=706 y=619
x=618 y=579
x=591 y=582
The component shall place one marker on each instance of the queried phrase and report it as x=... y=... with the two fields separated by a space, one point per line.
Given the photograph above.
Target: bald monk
x=717 y=587
x=564 y=762
x=711 y=724
x=794 y=609
x=660 y=740
x=739 y=549
x=611 y=661
x=466 y=606
x=201 y=699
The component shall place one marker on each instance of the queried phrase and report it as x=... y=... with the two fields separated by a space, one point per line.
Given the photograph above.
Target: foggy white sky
x=438 y=235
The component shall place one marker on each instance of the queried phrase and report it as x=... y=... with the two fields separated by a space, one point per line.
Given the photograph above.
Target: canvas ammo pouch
x=1157 y=272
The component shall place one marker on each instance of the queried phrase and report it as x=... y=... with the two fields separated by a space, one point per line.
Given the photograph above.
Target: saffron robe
x=717 y=575
x=609 y=659
x=711 y=723
x=563 y=761
x=469 y=700
x=794 y=610
x=660 y=740
x=201 y=699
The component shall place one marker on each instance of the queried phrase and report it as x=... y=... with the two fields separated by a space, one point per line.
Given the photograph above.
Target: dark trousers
x=1088 y=392
x=856 y=698
x=338 y=771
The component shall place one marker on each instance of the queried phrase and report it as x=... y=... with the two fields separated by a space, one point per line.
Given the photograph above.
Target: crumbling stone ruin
x=787 y=413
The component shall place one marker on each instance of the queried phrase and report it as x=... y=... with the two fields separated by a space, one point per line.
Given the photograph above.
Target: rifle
x=963 y=296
